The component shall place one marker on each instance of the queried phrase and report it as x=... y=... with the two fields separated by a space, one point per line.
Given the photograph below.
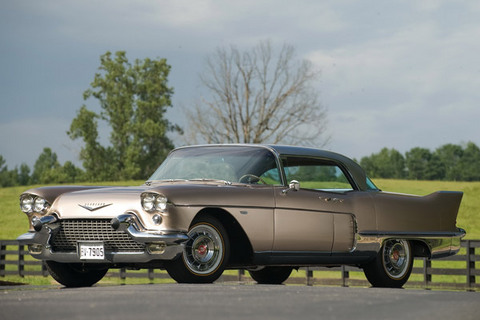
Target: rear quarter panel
x=407 y=213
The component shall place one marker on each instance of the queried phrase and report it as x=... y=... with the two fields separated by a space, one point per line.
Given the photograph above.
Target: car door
x=316 y=216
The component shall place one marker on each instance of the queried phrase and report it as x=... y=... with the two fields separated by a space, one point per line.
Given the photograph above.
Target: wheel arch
x=420 y=249
x=239 y=243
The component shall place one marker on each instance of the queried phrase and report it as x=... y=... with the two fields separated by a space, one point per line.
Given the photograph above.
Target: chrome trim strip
x=425 y=234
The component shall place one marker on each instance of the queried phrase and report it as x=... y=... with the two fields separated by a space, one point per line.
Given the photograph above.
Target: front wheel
x=205 y=254
x=392 y=266
x=271 y=275
x=75 y=274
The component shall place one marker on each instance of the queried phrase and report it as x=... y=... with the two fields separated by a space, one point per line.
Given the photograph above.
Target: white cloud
x=409 y=87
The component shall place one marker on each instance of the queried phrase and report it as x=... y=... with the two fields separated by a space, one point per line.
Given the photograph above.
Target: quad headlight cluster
x=154 y=202
x=30 y=203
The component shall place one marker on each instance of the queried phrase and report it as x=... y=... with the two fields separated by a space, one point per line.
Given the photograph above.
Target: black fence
x=454 y=272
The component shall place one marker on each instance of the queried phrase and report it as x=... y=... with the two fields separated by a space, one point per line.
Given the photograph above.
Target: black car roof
x=357 y=172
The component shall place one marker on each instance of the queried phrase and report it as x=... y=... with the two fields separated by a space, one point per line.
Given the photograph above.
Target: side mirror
x=294 y=185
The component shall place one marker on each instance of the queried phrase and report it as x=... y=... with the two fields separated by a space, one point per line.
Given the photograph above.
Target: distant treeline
x=46 y=170
x=449 y=162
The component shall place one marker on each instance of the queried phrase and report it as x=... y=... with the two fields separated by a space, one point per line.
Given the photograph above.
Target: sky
x=395 y=74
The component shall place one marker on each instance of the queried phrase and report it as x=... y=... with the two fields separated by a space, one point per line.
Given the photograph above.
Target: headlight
x=39 y=204
x=30 y=203
x=152 y=202
x=161 y=203
x=26 y=203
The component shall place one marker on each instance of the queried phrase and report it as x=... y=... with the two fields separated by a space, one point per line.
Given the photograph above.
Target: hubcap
x=204 y=251
x=396 y=258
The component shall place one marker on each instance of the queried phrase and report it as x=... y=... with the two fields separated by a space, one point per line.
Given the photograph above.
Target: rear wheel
x=392 y=266
x=75 y=274
x=205 y=254
x=271 y=275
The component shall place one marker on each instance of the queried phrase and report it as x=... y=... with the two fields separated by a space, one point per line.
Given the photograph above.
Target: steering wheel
x=251 y=178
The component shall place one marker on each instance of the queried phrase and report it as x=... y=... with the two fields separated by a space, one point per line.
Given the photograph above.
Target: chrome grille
x=72 y=231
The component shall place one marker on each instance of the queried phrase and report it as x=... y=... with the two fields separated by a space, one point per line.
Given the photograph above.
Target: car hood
x=113 y=201
x=98 y=203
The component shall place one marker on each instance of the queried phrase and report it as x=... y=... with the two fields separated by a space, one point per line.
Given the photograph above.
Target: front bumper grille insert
x=72 y=231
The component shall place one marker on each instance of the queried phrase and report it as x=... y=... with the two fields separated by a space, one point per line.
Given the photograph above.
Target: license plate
x=91 y=250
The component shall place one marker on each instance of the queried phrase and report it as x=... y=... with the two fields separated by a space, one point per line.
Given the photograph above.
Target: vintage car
x=264 y=208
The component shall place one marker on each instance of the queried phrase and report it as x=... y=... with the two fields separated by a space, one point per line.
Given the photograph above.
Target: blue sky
x=397 y=74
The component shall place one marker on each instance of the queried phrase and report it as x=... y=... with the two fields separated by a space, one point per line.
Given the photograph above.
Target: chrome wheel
x=396 y=258
x=392 y=266
x=204 y=252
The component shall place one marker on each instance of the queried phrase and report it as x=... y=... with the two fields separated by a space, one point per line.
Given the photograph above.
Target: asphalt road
x=233 y=301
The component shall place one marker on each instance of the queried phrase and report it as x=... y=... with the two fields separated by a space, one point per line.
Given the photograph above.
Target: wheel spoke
x=396 y=257
x=204 y=250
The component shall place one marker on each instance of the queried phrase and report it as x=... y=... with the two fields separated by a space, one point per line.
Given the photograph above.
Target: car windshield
x=244 y=164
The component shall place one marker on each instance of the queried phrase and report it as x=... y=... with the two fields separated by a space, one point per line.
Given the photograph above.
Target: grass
x=14 y=223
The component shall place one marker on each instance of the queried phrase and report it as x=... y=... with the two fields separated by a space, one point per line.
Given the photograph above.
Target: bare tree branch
x=258 y=96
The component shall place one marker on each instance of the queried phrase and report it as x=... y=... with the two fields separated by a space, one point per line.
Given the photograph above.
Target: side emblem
x=95 y=206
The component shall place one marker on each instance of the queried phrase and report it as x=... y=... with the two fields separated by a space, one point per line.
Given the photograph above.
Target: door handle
x=328 y=199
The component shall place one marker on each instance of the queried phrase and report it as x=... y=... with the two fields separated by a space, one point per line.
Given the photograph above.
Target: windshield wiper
x=226 y=182
x=149 y=183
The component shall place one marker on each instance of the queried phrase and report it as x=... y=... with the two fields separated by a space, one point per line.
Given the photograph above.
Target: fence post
x=345 y=276
x=470 y=265
x=427 y=276
x=241 y=272
x=21 y=261
x=123 y=273
x=309 y=274
x=151 y=276
x=3 y=248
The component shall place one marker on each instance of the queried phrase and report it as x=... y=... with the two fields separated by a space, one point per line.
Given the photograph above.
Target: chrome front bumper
x=171 y=243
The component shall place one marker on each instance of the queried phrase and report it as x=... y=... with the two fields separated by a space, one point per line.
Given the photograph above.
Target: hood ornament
x=93 y=206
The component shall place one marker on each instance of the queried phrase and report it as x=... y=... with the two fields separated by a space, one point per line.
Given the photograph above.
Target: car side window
x=271 y=177
x=316 y=174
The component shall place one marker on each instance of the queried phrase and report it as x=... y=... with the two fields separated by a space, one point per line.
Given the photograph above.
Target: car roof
x=357 y=172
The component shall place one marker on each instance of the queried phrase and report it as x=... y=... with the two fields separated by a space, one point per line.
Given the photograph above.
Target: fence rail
x=13 y=262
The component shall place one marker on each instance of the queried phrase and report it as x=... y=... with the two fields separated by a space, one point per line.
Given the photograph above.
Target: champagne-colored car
x=264 y=208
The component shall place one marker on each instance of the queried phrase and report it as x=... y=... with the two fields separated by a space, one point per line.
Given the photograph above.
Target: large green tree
x=423 y=165
x=450 y=156
x=470 y=163
x=47 y=169
x=388 y=163
x=133 y=99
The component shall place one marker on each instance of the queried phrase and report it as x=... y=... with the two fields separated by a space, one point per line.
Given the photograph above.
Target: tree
x=5 y=175
x=423 y=165
x=24 y=175
x=388 y=164
x=470 y=163
x=450 y=156
x=47 y=168
x=258 y=96
x=133 y=101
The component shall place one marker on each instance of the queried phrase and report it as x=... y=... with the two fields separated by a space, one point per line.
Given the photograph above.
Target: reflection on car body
x=264 y=208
